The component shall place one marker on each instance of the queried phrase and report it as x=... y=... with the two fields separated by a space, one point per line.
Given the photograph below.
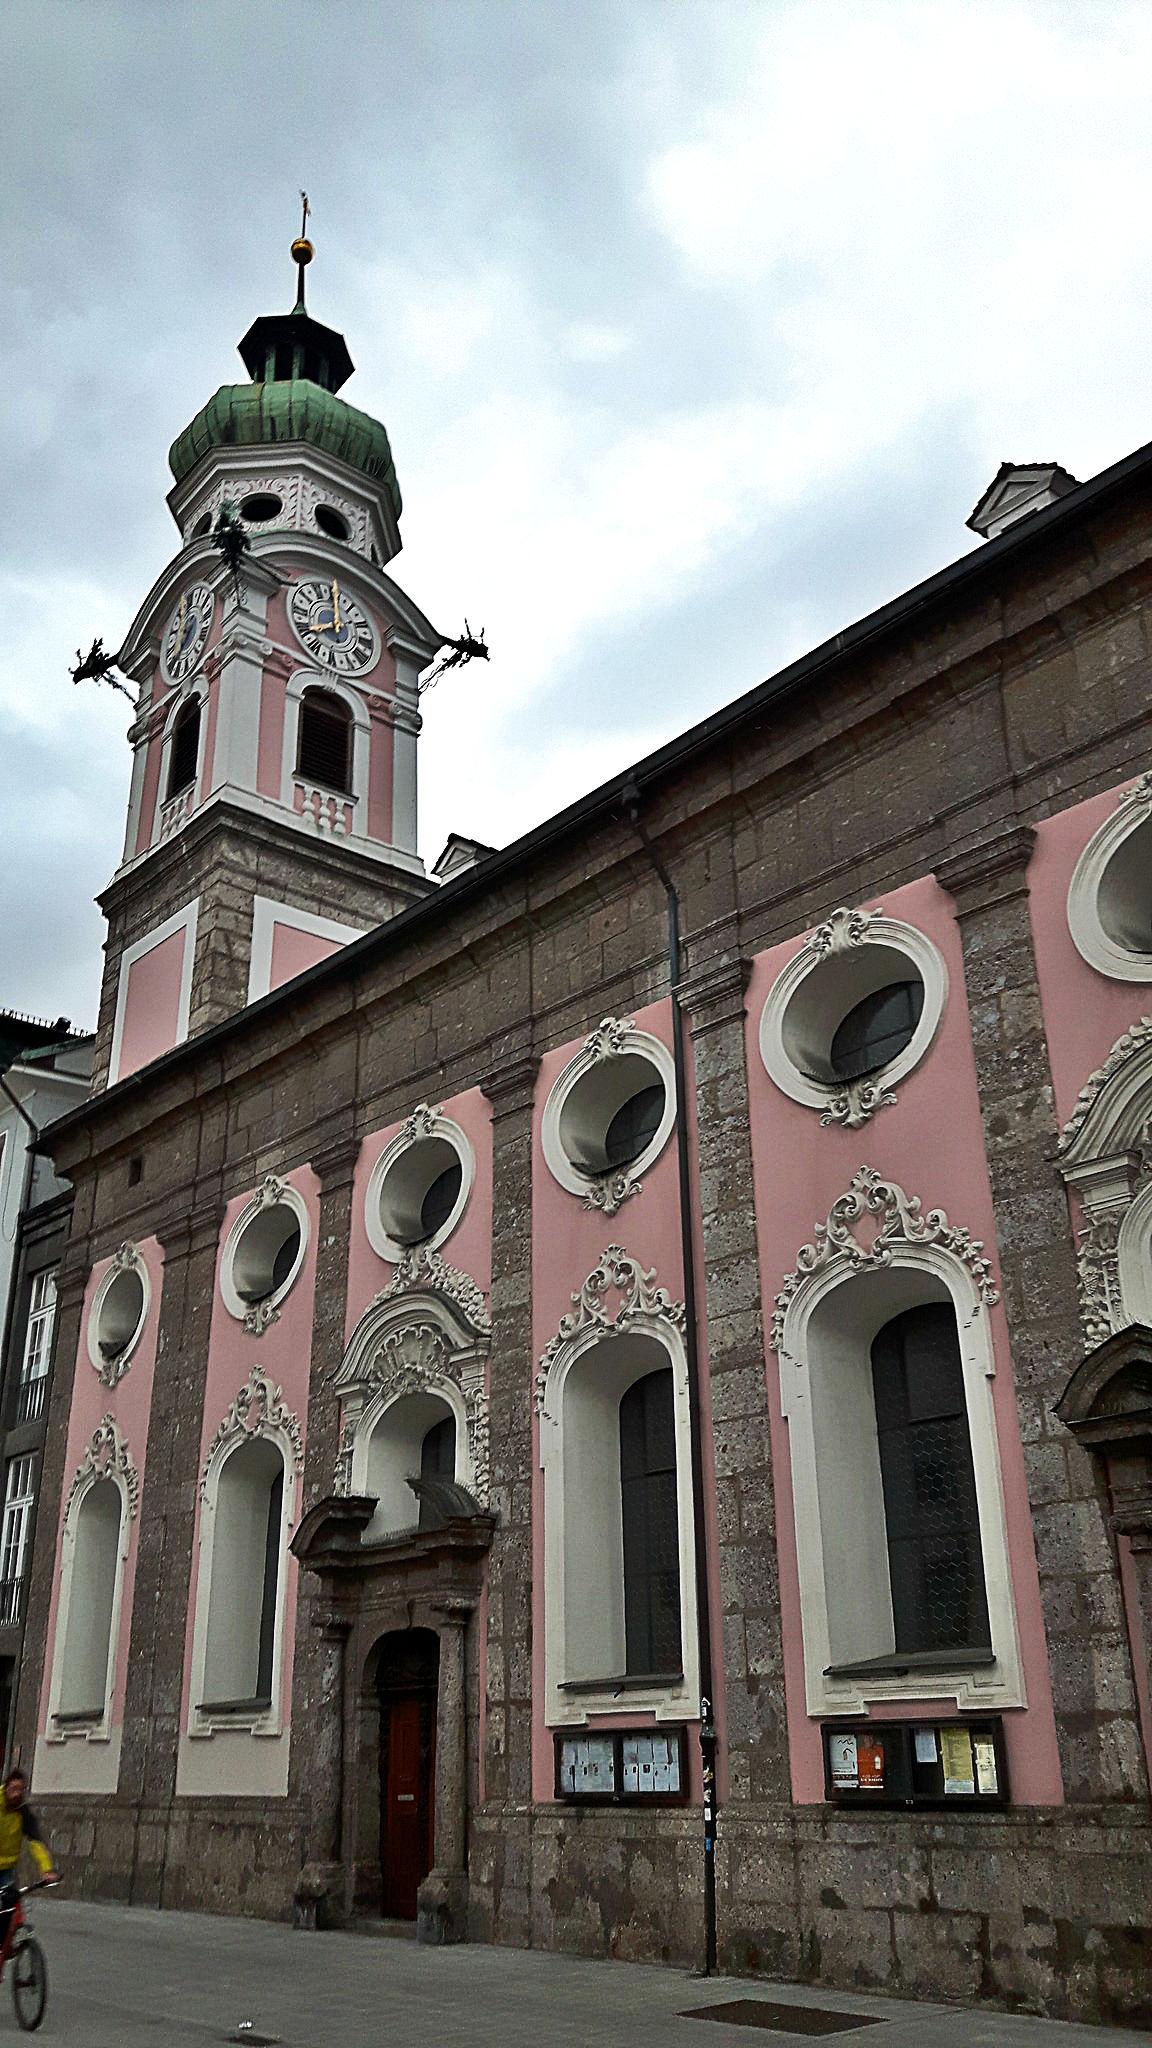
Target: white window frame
x=233 y=1436
x=1092 y=940
x=272 y=1192
x=613 y=1039
x=423 y=1123
x=197 y=687
x=103 y=1460
x=819 y=1370
x=572 y=1695
x=299 y=682
x=817 y=977
x=19 y=1507
x=40 y=1327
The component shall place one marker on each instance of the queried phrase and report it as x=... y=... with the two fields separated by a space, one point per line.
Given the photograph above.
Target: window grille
x=933 y=1532
x=37 y=1347
x=19 y=1501
x=185 y=750
x=325 y=745
x=650 y=1527
x=876 y=1029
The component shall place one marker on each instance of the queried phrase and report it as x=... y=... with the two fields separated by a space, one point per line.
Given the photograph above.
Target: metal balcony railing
x=11 y=1597
x=31 y=1399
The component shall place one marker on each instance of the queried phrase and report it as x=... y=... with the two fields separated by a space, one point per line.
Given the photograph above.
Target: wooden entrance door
x=408 y=1672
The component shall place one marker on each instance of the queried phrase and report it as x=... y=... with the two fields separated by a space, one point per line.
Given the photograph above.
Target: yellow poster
x=956 y=1752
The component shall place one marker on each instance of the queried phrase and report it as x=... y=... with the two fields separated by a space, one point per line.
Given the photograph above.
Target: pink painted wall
x=154 y=747
x=1084 y=1011
x=294 y=950
x=381 y=746
x=129 y=1403
x=931 y=1143
x=283 y=1351
x=152 y=1004
x=270 y=745
x=569 y=1241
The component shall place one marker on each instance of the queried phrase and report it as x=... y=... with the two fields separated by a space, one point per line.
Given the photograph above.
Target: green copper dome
x=287 y=409
x=297 y=366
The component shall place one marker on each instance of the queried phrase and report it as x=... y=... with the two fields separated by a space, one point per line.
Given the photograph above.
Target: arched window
x=437 y=1461
x=931 y=1519
x=415 y=1435
x=184 y=751
x=650 y=1526
x=243 y=1603
x=324 y=747
x=87 y=1651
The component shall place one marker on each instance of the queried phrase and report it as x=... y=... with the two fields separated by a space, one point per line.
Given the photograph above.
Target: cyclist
x=18 y=1825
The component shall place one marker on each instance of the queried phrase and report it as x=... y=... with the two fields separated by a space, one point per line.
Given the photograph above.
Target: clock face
x=187 y=634
x=331 y=625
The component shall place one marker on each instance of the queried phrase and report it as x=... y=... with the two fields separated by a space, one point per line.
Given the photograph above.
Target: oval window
x=260 y=507
x=120 y=1315
x=332 y=523
x=266 y=1254
x=634 y=1125
x=875 y=1029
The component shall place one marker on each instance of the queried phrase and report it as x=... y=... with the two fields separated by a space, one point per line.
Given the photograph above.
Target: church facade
x=608 y=1403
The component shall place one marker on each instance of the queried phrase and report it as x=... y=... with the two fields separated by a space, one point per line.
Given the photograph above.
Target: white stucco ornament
x=899 y=1221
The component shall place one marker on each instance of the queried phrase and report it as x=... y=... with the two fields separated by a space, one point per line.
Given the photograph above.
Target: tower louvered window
x=933 y=1530
x=650 y=1526
x=185 y=750
x=325 y=747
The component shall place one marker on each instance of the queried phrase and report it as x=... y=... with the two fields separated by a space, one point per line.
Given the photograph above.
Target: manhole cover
x=781 y=2019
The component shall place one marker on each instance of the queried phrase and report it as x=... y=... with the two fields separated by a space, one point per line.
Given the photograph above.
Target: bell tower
x=272 y=813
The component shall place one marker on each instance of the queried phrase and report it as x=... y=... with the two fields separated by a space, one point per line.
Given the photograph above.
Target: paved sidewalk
x=126 y=1978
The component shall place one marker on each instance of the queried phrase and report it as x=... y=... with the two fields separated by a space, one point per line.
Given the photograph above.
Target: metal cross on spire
x=302 y=252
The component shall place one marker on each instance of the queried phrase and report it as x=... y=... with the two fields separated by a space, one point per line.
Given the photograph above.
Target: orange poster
x=870 y=1762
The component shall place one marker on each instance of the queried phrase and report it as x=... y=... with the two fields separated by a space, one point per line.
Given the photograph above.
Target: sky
x=698 y=327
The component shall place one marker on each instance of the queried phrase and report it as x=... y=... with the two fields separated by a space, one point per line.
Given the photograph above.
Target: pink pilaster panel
x=152 y=1004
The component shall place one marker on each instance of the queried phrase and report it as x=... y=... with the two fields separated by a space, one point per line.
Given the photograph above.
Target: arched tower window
x=930 y=1511
x=324 y=751
x=185 y=748
x=650 y=1526
x=240 y=1645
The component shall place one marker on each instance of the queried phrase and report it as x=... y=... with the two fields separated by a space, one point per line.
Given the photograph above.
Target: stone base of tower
x=223 y=864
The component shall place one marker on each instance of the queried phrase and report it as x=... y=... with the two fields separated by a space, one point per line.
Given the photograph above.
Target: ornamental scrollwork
x=856 y=1102
x=638 y=1296
x=1129 y=1041
x=1139 y=793
x=609 y=1041
x=421 y=1123
x=900 y=1223
x=421 y=1268
x=106 y=1456
x=1098 y=1278
x=415 y=1358
x=844 y=929
x=609 y=1191
x=259 y=1407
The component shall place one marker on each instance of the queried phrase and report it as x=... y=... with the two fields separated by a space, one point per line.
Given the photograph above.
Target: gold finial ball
x=302 y=250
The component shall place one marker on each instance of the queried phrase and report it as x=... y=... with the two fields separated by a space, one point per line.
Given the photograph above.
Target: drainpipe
x=630 y=798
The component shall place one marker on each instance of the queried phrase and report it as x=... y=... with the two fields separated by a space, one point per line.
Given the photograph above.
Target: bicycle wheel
x=29 y=1984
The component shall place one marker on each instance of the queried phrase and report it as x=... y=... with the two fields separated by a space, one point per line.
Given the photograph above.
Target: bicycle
x=29 y=1969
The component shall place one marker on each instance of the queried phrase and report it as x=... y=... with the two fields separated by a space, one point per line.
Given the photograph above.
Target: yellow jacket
x=18 y=1824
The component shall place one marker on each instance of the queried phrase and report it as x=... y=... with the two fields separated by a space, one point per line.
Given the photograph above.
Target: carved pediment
x=1107 y=1403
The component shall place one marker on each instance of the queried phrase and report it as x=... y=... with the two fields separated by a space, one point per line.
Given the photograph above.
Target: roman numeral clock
x=332 y=628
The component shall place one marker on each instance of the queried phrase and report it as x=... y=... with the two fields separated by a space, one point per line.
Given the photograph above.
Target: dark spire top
x=281 y=347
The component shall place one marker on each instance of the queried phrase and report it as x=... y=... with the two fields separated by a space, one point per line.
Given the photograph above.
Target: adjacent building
x=607 y=1403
